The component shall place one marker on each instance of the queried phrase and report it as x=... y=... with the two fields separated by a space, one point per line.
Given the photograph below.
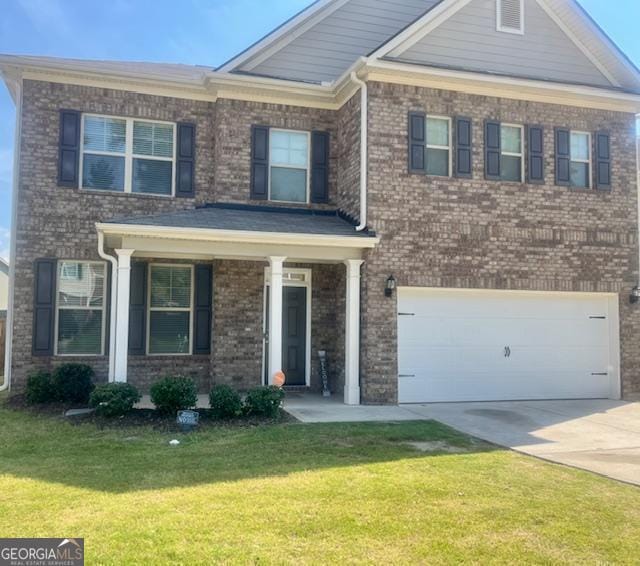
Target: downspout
x=638 y=187
x=6 y=385
x=364 y=144
x=114 y=300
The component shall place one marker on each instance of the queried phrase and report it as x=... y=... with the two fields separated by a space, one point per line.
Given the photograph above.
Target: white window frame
x=288 y=166
x=448 y=148
x=170 y=309
x=513 y=154
x=103 y=309
x=501 y=28
x=128 y=156
x=588 y=161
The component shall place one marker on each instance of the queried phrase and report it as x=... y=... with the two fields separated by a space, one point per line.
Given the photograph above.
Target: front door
x=294 y=335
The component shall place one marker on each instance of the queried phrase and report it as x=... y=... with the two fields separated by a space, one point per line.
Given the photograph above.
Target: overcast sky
x=203 y=32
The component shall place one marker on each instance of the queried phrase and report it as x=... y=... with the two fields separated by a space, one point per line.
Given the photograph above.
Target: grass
x=292 y=493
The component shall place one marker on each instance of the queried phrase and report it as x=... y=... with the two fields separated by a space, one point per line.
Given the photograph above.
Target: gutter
x=113 y=309
x=364 y=145
x=237 y=236
x=6 y=385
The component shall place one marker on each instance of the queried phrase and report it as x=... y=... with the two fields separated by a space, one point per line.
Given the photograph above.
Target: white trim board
x=308 y=284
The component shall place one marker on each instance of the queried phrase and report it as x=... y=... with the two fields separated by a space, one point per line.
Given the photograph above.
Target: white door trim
x=289 y=280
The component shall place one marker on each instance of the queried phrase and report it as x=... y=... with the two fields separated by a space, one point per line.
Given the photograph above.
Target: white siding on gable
x=328 y=49
x=470 y=40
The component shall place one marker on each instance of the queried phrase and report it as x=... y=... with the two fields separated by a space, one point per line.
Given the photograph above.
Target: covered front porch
x=270 y=290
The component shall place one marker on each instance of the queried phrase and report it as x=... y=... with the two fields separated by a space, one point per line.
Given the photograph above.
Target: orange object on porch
x=279 y=379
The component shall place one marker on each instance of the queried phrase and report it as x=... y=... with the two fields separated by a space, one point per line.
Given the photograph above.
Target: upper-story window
x=581 y=159
x=438 y=146
x=511 y=158
x=127 y=155
x=289 y=166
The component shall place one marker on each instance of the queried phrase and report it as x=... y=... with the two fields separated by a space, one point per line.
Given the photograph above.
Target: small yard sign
x=188 y=420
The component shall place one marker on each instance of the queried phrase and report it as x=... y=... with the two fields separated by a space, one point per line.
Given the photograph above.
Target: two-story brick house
x=440 y=195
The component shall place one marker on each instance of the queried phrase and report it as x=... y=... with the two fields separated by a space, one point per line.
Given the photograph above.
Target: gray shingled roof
x=252 y=218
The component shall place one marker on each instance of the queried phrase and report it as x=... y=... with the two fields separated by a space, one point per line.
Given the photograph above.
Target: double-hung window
x=581 y=159
x=81 y=301
x=127 y=155
x=170 y=309
x=289 y=166
x=438 y=147
x=511 y=158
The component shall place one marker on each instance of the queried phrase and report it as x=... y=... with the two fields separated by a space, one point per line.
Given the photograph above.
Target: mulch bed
x=143 y=417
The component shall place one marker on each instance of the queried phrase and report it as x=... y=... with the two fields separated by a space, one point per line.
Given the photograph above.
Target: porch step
x=296 y=388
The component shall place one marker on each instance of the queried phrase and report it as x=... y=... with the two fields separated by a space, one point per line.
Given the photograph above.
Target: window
x=511 y=162
x=126 y=155
x=510 y=16
x=170 y=302
x=438 y=146
x=80 y=309
x=581 y=159
x=289 y=166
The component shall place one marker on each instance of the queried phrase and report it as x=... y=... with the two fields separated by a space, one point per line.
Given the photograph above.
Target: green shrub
x=264 y=401
x=40 y=388
x=114 y=399
x=225 y=402
x=73 y=382
x=173 y=394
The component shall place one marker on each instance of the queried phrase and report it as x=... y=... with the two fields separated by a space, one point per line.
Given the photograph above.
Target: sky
x=201 y=32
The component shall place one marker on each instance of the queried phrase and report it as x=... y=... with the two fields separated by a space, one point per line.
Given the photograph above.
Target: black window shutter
x=563 y=156
x=138 y=310
x=259 y=162
x=44 y=305
x=492 y=150
x=417 y=142
x=535 y=157
x=603 y=161
x=69 y=148
x=202 y=314
x=463 y=148
x=320 y=167
x=185 y=166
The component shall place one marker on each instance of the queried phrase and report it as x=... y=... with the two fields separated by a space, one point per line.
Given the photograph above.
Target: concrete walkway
x=600 y=436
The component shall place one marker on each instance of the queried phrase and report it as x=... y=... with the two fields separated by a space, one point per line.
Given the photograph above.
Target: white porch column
x=122 y=314
x=352 y=334
x=275 y=316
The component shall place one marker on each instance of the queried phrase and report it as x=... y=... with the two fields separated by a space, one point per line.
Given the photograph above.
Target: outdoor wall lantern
x=391 y=286
x=635 y=295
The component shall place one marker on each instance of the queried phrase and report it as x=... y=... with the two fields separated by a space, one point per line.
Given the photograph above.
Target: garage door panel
x=457 y=345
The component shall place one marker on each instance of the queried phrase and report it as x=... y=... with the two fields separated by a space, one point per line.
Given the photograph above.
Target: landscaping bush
x=225 y=402
x=173 y=394
x=264 y=401
x=73 y=383
x=114 y=399
x=40 y=388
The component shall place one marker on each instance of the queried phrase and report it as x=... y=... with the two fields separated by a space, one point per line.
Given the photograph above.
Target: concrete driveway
x=600 y=436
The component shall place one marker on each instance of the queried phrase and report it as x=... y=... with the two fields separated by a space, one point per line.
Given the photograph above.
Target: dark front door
x=294 y=335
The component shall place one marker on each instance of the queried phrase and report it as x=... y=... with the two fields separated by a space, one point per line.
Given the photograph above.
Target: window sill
x=125 y=195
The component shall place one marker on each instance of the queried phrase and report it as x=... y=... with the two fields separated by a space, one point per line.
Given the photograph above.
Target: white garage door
x=457 y=345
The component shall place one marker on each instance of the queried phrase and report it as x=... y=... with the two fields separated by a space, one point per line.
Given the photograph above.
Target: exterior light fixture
x=391 y=286
x=635 y=295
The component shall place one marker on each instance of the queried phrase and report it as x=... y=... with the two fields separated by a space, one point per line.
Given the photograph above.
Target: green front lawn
x=294 y=493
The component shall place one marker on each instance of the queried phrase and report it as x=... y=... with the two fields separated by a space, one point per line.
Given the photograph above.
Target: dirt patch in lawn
x=444 y=446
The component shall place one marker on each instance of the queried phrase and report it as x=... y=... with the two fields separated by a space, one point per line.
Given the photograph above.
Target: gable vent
x=511 y=16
